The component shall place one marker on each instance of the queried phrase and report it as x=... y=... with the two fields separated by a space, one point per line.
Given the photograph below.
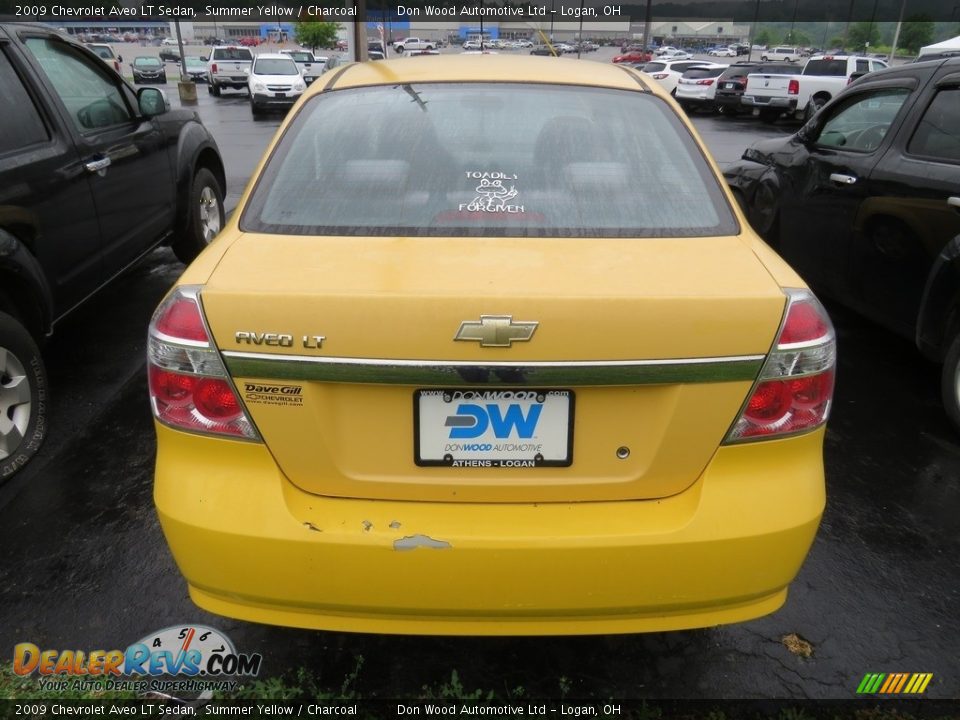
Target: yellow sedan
x=487 y=348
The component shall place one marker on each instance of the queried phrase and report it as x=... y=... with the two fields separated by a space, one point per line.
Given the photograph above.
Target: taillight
x=189 y=386
x=213 y=68
x=793 y=87
x=705 y=82
x=795 y=388
x=661 y=76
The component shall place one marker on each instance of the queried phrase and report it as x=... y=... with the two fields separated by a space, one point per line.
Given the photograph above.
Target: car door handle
x=954 y=202
x=97 y=166
x=842 y=179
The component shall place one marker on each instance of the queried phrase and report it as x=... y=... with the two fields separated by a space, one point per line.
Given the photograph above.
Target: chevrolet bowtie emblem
x=495 y=330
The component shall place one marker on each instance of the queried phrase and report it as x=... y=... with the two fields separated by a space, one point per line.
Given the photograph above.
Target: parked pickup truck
x=413 y=43
x=801 y=94
x=228 y=67
x=310 y=66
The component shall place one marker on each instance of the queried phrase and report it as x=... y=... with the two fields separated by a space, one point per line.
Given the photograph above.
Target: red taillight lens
x=661 y=76
x=216 y=400
x=705 y=82
x=189 y=386
x=213 y=68
x=793 y=87
x=795 y=388
x=182 y=319
x=805 y=322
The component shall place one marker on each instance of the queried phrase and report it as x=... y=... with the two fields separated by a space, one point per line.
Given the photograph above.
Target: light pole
x=753 y=28
x=896 y=33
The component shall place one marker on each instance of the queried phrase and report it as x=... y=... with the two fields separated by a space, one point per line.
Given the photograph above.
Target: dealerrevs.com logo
x=203 y=654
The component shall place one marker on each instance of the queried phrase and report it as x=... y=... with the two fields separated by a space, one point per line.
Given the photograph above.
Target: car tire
x=255 y=109
x=764 y=213
x=23 y=396
x=813 y=106
x=763 y=58
x=398 y=49
x=205 y=216
x=214 y=89
x=950 y=382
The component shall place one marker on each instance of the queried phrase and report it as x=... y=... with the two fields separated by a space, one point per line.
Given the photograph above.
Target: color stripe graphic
x=894 y=683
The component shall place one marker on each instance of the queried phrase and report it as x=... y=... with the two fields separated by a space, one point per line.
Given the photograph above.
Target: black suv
x=864 y=202
x=93 y=175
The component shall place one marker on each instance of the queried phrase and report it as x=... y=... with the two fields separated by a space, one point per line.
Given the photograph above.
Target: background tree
x=917 y=31
x=315 y=34
x=862 y=33
x=797 y=37
x=765 y=37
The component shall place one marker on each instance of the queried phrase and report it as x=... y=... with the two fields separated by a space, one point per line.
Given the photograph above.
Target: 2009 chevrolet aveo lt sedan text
x=478 y=355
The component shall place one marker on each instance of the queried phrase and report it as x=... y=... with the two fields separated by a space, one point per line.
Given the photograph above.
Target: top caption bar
x=633 y=11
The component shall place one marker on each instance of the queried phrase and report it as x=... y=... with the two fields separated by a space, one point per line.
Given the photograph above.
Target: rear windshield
x=103 y=52
x=697 y=73
x=652 y=67
x=738 y=71
x=433 y=159
x=300 y=56
x=776 y=70
x=232 y=54
x=147 y=61
x=826 y=67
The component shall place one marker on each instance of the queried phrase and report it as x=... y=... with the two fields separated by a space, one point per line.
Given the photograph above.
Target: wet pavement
x=83 y=563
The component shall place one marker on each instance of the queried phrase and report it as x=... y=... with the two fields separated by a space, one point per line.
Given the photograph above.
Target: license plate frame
x=511 y=435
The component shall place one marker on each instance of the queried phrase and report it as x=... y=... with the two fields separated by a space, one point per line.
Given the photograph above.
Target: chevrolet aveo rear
x=475 y=355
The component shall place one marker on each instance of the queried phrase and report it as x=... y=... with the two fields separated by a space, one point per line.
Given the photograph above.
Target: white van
x=781 y=54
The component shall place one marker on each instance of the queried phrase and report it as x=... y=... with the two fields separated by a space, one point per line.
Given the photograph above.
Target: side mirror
x=119 y=58
x=205 y=58
x=152 y=102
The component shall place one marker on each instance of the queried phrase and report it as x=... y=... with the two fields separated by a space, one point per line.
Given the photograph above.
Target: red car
x=249 y=41
x=633 y=54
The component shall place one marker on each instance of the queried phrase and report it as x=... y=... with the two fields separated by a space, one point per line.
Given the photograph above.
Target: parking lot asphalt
x=83 y=563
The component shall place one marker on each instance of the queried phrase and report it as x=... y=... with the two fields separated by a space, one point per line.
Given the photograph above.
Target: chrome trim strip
x=454 y=372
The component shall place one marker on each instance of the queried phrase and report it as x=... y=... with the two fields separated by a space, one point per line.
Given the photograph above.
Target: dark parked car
x=544 y=50
x=169 y=55
x=733 y=81
x=864 y=202
x=148 y=69
x=94 y=174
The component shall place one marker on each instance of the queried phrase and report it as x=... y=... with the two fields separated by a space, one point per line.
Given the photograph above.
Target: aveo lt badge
x=495 y=330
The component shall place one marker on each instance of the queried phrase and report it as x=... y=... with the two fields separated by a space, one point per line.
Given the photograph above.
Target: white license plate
x=493 y=428
x=728 y=86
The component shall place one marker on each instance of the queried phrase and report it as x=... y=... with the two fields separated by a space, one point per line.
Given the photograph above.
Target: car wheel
x=23 y=396
x=950 y=382
x=764 y=212
x=812 y=107
x=763 y=57
x=205 y=216
x=215 y=90
x=255 y=109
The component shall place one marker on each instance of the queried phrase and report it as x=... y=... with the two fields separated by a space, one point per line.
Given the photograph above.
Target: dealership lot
x=85 y=565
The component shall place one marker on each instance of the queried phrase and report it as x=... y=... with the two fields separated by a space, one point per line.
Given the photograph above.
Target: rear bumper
x=728 y=99
x=771 y=102
x=253 y=546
